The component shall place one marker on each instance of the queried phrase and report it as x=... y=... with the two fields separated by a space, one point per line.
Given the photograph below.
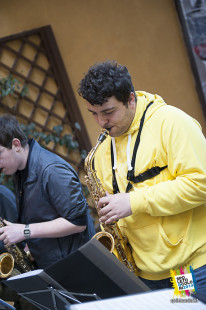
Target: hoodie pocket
x=165 y=238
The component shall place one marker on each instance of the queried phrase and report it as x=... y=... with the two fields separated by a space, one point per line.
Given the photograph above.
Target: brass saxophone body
x=111 y=236
x=15 y=256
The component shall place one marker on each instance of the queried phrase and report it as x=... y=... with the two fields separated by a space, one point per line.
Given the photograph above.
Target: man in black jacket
x=53 y=215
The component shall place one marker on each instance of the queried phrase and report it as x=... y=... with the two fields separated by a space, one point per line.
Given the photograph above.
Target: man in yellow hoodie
x=153 y=168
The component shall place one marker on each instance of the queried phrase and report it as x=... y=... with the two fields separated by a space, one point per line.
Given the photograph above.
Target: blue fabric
x=200 y=277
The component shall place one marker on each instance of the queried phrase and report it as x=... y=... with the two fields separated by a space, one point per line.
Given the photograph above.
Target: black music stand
x=38 y=288
x=88 y=274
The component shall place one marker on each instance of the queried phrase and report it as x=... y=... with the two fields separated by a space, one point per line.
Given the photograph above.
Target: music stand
x=88 y=274
x=5 y=305
x=38 y=288
x=93 y=269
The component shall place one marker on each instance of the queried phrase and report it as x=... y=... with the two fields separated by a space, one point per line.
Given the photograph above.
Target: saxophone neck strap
x=138 y=137
x=148 y=174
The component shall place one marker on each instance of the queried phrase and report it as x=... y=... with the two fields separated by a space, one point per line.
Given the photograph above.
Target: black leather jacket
x=52 y=189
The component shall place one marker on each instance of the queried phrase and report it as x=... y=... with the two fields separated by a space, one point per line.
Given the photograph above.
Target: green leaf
x=58 y=129
x=56 y=139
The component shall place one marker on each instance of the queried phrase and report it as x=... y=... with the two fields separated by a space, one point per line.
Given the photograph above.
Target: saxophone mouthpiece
x=103 y=135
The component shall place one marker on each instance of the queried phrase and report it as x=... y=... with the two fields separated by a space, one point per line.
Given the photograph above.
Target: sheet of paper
x=160 y=300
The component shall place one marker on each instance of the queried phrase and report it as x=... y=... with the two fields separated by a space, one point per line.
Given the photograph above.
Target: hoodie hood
x=143 y=99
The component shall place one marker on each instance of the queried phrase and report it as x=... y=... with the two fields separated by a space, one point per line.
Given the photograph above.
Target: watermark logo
x=183 y=281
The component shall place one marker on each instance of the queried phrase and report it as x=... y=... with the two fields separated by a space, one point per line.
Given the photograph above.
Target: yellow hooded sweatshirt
x=167 y=228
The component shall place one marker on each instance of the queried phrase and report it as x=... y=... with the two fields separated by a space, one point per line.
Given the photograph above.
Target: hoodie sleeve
x=184 y=146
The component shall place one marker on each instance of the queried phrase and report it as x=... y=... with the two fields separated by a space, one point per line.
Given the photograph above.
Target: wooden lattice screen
x=33 y=58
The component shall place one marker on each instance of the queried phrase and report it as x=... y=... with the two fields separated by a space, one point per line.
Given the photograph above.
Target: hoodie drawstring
x=128 y=153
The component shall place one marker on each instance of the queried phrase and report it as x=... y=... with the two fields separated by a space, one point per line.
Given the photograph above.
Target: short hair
x=104 y=80
x=10 y=129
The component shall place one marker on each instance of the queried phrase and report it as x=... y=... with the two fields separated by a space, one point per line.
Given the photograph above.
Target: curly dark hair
x=104 y=80
x=10 y=129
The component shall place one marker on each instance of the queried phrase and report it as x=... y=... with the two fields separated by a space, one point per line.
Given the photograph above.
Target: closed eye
x=108 y=112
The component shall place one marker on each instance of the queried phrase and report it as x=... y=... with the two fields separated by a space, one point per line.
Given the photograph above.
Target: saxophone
x=110 y=236
x=15 y=255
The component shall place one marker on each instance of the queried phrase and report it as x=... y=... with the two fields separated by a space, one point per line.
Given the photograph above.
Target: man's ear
x=132 y=98
x=16 y=144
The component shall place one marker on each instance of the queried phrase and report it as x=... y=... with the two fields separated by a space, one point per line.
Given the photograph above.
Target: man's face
x=113 y=115
x=8 y=160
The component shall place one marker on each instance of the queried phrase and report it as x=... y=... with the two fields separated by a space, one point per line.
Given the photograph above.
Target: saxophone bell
x=6 y=265
x=21 y=259
x=105 y=239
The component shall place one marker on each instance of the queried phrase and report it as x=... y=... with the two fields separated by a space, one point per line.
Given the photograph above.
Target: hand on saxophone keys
x=12 y=233
x=114 y=207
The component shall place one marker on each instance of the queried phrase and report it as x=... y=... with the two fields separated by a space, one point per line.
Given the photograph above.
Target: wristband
x=27 y=232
